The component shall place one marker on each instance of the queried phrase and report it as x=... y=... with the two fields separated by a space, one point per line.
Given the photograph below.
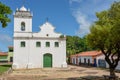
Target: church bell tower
x=22 y=20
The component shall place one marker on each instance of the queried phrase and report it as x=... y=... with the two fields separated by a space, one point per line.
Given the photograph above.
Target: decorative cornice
x=22 y=16
x=47 y=38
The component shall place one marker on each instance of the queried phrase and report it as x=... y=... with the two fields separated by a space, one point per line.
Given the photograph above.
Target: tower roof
x=23 y=8
x=23 y=12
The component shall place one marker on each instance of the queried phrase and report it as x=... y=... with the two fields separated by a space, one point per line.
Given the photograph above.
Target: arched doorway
x=47 y=60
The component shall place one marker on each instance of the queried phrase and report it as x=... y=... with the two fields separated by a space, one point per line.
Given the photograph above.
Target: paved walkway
x=70 y=73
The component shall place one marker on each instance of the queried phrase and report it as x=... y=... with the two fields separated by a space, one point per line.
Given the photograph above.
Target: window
x=11 y=59
x=79 y=61
x=88 y=62
x=84 y=60
x=22 y=44
x=56 y=44
x=38 y=44
x=10 y=49
x=47 y=44
x=23 y=26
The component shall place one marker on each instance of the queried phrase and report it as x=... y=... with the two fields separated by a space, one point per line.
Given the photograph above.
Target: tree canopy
x=76 y=44
x=4 y=12
x=105 y=35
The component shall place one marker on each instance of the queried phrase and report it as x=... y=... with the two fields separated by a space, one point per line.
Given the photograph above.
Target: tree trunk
x=112 y=74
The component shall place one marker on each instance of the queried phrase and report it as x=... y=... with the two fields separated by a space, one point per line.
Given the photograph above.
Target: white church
x=45 y=48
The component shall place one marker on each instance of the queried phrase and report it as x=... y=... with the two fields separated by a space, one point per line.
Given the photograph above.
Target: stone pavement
x=70 y=73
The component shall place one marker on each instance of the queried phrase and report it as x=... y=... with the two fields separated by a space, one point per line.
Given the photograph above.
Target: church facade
x=45 y=48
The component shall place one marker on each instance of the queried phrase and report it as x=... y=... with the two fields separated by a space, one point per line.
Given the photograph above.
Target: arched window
x=22 y=26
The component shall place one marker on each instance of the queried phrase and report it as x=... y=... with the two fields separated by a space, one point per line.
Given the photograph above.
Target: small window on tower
x=23 y=26
x=23 y=44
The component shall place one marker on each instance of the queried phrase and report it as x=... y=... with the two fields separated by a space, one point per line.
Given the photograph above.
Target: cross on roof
x=47 y=19
x=23 y=3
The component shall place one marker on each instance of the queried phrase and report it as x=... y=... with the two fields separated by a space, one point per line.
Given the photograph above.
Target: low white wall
x=73 y=60
x=102 y=57
x=85 y=57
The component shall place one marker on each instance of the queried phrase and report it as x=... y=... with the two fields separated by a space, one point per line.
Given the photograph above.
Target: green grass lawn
x=4 y=68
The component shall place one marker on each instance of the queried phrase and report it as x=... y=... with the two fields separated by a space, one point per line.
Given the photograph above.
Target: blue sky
x=70 y=17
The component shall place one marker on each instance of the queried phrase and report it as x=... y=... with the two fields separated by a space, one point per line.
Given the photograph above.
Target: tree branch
x=112 y=57
x=118 y=58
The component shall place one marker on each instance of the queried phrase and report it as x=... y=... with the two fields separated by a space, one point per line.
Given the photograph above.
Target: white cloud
x=5 y=41
x=71 y=1
x=84 y=12
x=84 y=24
x=5 y=38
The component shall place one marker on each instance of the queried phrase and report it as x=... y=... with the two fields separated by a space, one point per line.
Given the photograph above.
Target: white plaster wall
x=45 y=29
x=17 y=24
x=33 y=56
x=20 y=59
x=100 y=57
x=58 y=53
x=23 y=34
x=73 y=60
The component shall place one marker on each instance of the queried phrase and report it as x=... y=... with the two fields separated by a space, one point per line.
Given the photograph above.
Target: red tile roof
x=74 y=55
x=10 y=46
x=3 y=54
x=90 y=53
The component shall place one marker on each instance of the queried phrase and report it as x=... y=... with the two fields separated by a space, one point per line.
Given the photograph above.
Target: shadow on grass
x=4 y=68
x=7 y=65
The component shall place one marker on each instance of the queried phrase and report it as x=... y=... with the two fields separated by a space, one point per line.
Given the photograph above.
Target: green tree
x=4 y=12
x=105 y=35
x=76 y=45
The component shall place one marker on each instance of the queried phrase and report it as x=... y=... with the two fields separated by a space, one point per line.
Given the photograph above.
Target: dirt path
x=70 y=73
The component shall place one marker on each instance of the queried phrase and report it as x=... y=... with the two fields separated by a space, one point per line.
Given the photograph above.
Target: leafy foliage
x=61 y=36
x=76 y=44
x=105 y=35
x=4 y=12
